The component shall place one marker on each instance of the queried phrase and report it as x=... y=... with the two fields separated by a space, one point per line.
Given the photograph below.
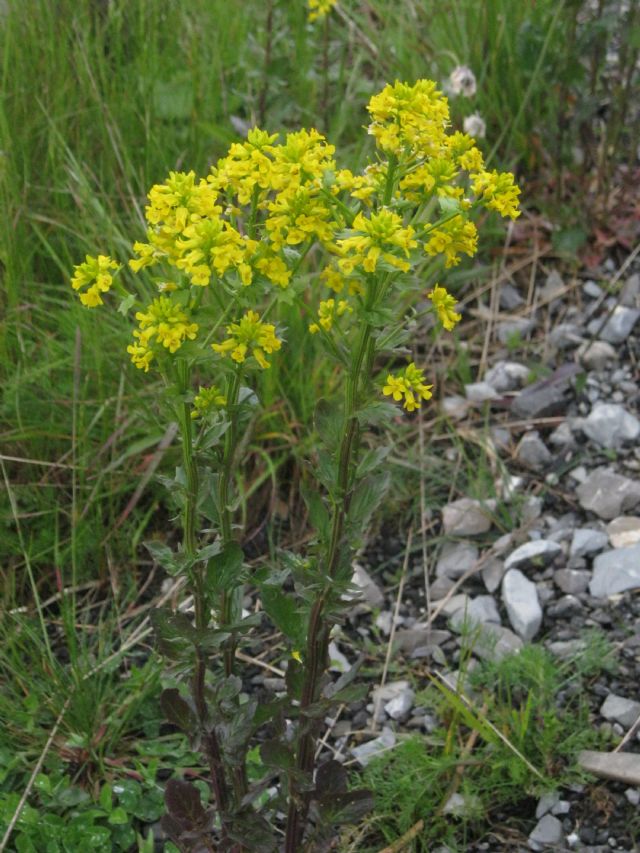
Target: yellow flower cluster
x=95 y=276
x=444 y=304
x=249 y=337
x=206 y=400
x=409 y=385
x=249 y=224
x=453 y=238
x=318 y=9
x=328 y=310
x=379 y=237
x=165 y=324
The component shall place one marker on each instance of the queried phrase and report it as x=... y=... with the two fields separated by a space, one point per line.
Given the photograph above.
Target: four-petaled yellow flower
x=498 y=191
x=327 y=312
x=377 y=238
x=318 y=9
x=95 y=276
x=249 y=337
x=164 y=323
x=409 y=385
x=444 y=304
x=206 y=400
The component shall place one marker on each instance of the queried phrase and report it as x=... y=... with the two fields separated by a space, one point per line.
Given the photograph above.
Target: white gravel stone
x=481 y=609
x=520 y=597
x=507 y=376
x=608 y=494
x=572 y=581
x=597 y=355
x=455 y=559
x=401 y=704
x=366 y=751
x=495 y=642
x=624 y=531
x=611 y=425
x=616 y=571
x=480 y=392
x=540 y=552
x=618 y=326
x=587 y=541
x=533 y=452
x=619 y=766
x=620 y=710
x=492 y=573
x=371 y=592
x=455 y=407
x=546 y=803
x=514 y=329
x=467 y=517
x=546 y=834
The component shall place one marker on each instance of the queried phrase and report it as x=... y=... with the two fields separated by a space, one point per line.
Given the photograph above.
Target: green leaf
x=163 y=555
x=318 y=512
x=345 y=807
x=377 y=414
x=367 y=497
x=371 y=460
x=126 y=303
x=224 y=570
x=182 y=800
x=177 y=710
x=106 y=798
x=328 y=420
x=118 y=816
x=283 y=611
x=275 y=753
x=174 y=632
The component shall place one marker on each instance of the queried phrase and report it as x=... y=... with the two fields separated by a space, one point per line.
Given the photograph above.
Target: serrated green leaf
x=283 y=611
x=224 y=570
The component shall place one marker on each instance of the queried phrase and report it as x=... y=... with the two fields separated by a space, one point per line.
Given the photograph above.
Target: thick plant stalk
x=318 y=631
x=209 y=739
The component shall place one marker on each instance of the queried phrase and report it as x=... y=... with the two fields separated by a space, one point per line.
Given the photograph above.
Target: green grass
x=541 y=738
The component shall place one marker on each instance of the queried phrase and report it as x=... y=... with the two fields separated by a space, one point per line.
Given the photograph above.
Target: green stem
x=189 y=545
x=318 y=634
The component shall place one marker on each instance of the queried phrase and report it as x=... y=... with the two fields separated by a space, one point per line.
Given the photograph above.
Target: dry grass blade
x=405 y=839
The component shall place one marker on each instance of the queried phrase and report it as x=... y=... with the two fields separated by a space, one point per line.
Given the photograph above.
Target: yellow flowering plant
x=276 y=221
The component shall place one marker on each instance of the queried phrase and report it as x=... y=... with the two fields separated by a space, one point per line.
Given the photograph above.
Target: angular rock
x=562 y=437
x=616 y=571
x=510 y=298
x=617 y=327
x=587 y=541
x=517 y=329
x=507 y=376
x=467 y=517
x=371 y=592
x=546 y=834
x=547 y=396
x=624 y=531
x=481 y=609
x=409 y=640
x=456 y=558
x=630 y=295
x=520 y=597
x=455 y=407
x=620 y=710
x=480 y=392
x=608 y=494
x=597 y=355
x=535 y=554
x=572 y=581
x=366 y=751
x=494 y=642
x=546 y=803
x=401 y=704
x=532 y=452
x=611 y=425
x=492 y=573
x=619 y=766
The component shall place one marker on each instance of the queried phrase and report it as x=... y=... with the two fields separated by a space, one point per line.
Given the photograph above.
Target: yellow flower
x=451 y=239
x=164 y=323
x=376 y=238
x=95 y=276
x=206 y=400
x=497 y=191
x=247 y=168
x=320 y=8
x=327 y=312
x=409 y=385
x=298 y=215
x=213 y=245
x=180 y=201
x=275 y=269
x=444 y=304
x=249 y=337
x=409 y=118
x=302 y=159
x=335 y=280
x=295 y=654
